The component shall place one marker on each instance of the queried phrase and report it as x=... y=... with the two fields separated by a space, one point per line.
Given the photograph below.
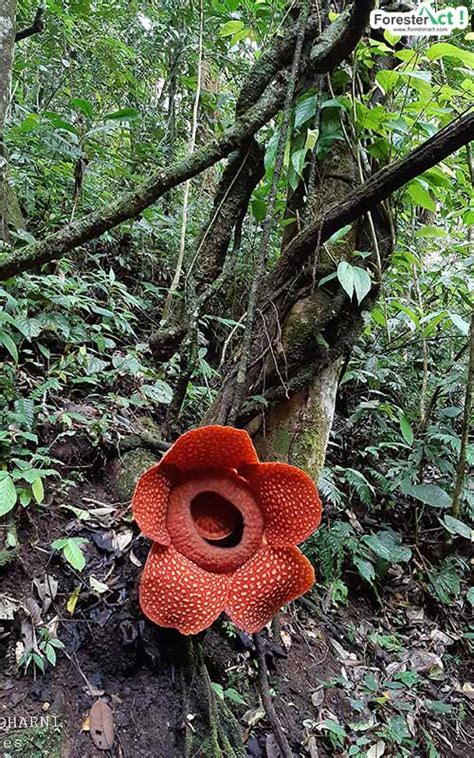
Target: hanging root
x=267 y=702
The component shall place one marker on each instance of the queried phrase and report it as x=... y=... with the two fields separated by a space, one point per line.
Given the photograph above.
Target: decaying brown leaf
x=254 y=715
x=101 y=725
x=47 y=587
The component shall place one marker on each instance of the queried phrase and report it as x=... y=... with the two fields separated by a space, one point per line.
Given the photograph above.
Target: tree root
x=225 y=737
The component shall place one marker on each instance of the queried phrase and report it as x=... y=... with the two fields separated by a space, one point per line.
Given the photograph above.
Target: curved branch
x=374 y=191
x=281 y=281
x=35 y=28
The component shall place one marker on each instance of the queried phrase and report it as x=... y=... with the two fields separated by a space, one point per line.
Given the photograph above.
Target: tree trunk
x=10 y=213
x=297 y=429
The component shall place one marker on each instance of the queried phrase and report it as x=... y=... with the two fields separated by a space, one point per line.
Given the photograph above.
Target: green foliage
x=332 y=546
x=44 y=650
x=71 y=549
x=230 y=693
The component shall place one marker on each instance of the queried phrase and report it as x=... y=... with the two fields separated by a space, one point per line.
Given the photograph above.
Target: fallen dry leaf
x=101 y=725
x=122 y=538
x=254 y=715
x=286 y=639
x=34 y=610
x=72 y=600
x=312 y=747
x=271 y=746
x=47 y=588
x=423 y=662
x=377 y=750
x=134 y=559
x=8 y=608
x=468 y=690
x=97 y=586
x=415 y=615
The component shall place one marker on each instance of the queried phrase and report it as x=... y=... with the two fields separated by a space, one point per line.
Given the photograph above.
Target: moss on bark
x=128 y=470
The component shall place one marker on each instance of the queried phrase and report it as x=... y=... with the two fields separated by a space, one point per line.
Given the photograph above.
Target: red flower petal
x=289 y=501
x=150 y=504
x=212 y=447
x=273 y=577
x=174 y=592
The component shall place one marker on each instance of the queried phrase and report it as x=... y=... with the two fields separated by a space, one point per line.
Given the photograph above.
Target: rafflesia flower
x=224 y=528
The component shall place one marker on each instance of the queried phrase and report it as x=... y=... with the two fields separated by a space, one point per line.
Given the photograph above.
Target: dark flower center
x=217 y=520
x=214 y=520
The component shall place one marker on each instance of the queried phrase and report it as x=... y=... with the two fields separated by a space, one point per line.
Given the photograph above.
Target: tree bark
x=466 y=420
x=296 y=429
x=10 y=213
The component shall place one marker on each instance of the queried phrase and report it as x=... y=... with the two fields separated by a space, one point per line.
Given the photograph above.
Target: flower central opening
x=214 y=520
x=217 y=520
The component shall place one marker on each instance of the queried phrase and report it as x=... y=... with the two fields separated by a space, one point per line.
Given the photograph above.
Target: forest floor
x=365 y=678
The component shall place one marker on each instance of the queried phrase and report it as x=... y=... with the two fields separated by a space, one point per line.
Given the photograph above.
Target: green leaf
x=340 y=233
x=30 y=475
x=9 y=345
x=406 y=429
x=305 y=110
x=8 y=494
x=365 y=569
x=311 y=139
x=124 y=114
x=235 y=696
x=362 y=282
x=430 y=494
x=398 y=729
x=230 y=28
x=428 y=230
x=387 y=545
x=297 y=161
x=438 y=707
x=78 y=103
x=455 y=526
x=38 y=490
x=421 y=196
x=259 y=208
x=218 y=689
x=50 y=654
x=387 y=79
x=71 y=547
x=38 y=661
x=345 y=274
x=59 y=123
x=160 y=392
x=445 y=583
x=446 y=50
x=459 y=322
x=334 y=727
x=331 y=103
x=29 y=327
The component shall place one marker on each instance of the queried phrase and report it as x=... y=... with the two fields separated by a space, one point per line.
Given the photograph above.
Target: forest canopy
x=255 y=214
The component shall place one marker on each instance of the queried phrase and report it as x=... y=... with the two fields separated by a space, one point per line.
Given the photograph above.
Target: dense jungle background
x=257 y=213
